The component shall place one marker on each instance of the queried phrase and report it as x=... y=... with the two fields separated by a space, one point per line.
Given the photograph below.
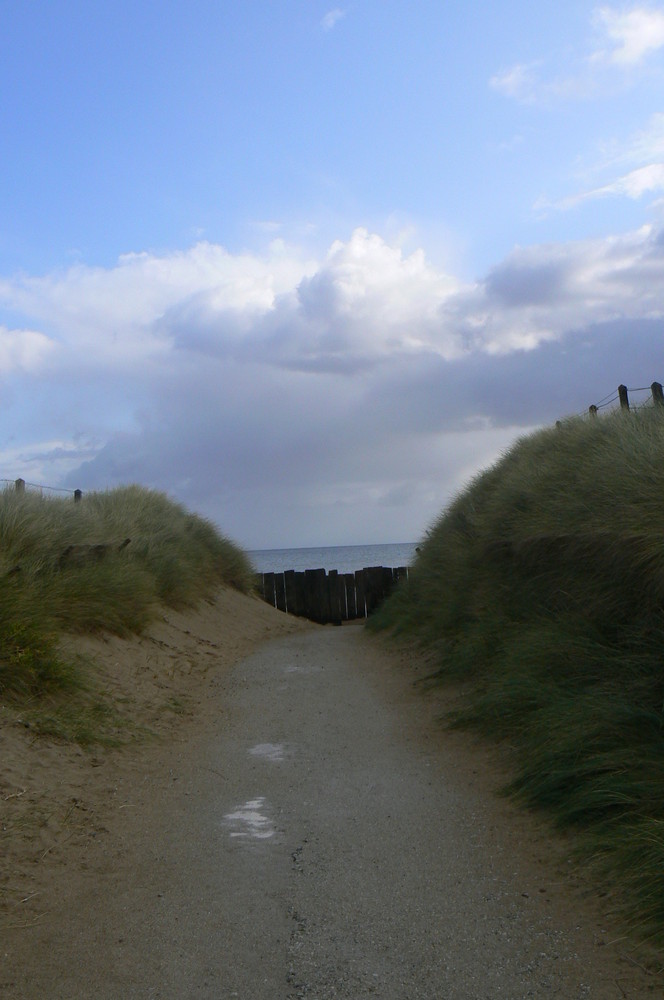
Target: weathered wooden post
x=388 y=583
x=20 y=485
x=300 y=595
x=268 y=588
x=360 y=594
x=334 y=582
x=323 y=596
x=310 y=594
x=592 y=410
x=279 y=592
x=318 y=599
x=291 y=592
x=657 y=395
x=624 y=399
x=351 y=604
x=373 y=587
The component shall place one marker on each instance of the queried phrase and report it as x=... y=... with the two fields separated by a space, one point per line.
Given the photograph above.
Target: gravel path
x=318 y=838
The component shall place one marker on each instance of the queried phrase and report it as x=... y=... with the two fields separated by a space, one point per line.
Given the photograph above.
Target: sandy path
x=317 y=838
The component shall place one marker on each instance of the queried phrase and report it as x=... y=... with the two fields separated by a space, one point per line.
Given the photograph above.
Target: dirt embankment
x=56 y=799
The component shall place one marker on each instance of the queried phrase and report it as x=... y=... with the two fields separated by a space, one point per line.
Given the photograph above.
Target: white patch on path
x=250 y=822
x=271 y=751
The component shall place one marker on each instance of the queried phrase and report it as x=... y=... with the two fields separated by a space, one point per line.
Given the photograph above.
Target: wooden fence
x=329 y=598
x=623 y=395
x=20 y=484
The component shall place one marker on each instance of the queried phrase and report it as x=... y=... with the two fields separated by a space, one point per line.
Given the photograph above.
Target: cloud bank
x=300 y=401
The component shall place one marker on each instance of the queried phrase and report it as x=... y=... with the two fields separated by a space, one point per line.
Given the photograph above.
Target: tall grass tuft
x=103 y=564
x=542 y=586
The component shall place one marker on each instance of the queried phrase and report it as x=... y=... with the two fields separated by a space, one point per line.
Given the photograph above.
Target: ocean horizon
x=343 y=558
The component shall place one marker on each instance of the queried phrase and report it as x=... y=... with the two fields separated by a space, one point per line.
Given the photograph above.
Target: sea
x=343 y=558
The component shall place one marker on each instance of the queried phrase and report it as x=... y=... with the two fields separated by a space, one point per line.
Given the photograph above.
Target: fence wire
x=40 y=486
x=611 y=398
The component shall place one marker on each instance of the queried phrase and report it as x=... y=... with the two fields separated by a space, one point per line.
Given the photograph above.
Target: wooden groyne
x=329 y=598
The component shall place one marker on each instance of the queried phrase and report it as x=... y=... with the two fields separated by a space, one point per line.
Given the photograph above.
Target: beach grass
x=541 y=587
x=104 y=564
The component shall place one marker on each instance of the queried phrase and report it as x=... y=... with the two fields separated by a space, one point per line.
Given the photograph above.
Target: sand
x=56 y=798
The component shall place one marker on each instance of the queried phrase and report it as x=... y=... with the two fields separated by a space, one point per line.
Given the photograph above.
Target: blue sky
x=308 y=267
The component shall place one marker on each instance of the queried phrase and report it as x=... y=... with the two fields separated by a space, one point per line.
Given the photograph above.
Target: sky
x=309 y=268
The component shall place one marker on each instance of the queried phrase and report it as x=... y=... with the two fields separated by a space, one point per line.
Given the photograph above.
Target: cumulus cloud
x=114 y=313
x=299 y=400
x=364 y=300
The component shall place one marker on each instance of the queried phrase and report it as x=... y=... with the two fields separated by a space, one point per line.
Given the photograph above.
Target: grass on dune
x=104 y=564
x=542 y=587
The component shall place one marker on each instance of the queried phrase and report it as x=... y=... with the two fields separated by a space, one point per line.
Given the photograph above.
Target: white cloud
x=366 y=299
x=25 y=350
x=644 y=146
x=631 y=34
x=332 y=17
x=635 y=184
x=364 y=304
x=638 y=182
x=114 y=313
x=519 y=82
x=643 y=151
x=626 y=39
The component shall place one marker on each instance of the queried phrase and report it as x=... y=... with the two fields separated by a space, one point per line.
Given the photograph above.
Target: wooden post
x=300 y=595
x=318 y=600
x=657 y=395
x=624 y=400
x=20 y=485
x=360 y=594
x=268 y=588
x=373 y=586
x=351 y=604
x=77 y=496
x=279 y=592
x=592 y=410
x=291 y=592
x=323 y=596
x=337 y=613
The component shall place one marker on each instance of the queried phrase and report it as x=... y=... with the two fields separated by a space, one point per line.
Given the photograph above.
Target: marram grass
x=542 y=587
x=104 y=564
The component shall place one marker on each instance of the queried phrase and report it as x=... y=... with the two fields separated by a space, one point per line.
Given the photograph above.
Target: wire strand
x=40 y=486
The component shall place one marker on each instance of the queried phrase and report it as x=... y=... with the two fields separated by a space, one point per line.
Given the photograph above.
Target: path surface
x=319 y=839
